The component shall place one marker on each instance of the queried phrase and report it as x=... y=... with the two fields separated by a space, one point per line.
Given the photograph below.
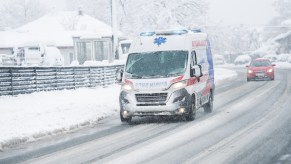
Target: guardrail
x=22 y=80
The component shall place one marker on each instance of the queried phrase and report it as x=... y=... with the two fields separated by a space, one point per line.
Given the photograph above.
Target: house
x=59 y=29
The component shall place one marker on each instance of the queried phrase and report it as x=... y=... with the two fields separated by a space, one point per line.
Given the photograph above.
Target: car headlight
x=179 y=85
x=250 y=71
x=270 y=70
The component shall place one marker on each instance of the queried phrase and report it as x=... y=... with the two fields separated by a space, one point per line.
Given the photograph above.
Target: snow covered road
x=250 y=122
x=26 y=118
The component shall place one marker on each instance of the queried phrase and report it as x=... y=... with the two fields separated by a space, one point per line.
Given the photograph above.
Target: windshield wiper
x=172 y=74
x=134 y=75
x=155 y=76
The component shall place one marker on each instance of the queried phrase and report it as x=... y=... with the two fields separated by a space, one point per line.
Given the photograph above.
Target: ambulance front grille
x=151 y=97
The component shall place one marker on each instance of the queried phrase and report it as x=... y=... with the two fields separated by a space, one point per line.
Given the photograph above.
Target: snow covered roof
x=68 y=21
x=282 y=36
x=57 y=27
x=12 y=38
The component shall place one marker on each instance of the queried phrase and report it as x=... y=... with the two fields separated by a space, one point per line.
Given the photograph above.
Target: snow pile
x=29 y=117
x=74 y=63
x=222 y=75
x=26 y=118
x=104 y=63
x=242 y=60
x=268 y=48
x=282 y=64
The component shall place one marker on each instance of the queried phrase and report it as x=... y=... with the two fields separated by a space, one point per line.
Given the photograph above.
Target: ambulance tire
x=126 y=120
x=208 y=107
x=192 y=111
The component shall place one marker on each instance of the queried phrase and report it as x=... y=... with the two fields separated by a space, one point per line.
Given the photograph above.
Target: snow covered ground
x=26 y=118
x=282 y=65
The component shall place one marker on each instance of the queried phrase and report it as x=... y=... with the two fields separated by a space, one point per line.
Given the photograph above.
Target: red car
x=260 y=69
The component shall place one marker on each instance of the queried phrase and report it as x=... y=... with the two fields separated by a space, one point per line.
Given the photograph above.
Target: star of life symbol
x=160 y=40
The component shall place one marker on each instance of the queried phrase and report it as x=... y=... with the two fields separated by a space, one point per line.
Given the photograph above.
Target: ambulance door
x=196 y=83
x=202 y=60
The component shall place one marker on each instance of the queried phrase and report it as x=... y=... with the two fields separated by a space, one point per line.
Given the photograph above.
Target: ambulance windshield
x=156 y=64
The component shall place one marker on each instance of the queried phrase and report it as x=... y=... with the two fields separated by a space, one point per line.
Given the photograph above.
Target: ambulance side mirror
x=196 y=71
x=119 y=74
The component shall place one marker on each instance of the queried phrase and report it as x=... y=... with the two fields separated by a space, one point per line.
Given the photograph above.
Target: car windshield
x=260 y=63
x=161 y=63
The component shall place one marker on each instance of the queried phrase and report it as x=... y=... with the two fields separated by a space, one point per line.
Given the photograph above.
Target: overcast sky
x=233 y=12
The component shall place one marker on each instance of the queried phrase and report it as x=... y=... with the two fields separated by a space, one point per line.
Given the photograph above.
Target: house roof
x=57 y=27
x=282 y=36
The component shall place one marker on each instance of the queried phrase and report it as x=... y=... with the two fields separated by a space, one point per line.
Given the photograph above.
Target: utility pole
x=114 y=30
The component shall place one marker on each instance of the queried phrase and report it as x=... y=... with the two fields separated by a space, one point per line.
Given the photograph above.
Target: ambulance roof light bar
x=151 y=33
x=165 y=32
x=196 y=30
x=172 y=32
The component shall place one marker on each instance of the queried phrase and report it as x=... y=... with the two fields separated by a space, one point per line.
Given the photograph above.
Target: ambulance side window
x=193 y=58
x=202 y=58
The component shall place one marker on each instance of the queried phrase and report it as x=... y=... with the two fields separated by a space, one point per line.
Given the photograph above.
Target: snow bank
x=104 y=63
x=29 y=117
x=222 y=75
x=282 y=64
x=26 y=118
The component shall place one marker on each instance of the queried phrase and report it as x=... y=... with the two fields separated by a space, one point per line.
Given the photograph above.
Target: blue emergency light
x=179 y=32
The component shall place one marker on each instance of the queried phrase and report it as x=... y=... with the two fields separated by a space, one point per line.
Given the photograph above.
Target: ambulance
x=167 y=73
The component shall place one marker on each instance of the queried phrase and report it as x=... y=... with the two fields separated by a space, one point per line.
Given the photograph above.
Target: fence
x=20 y=80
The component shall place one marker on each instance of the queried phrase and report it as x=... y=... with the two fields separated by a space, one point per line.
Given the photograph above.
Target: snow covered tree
x=281 y=23
x=17 y=12
x=159 y=14
x=100 y=9
x=233 y=39
x=283 y=8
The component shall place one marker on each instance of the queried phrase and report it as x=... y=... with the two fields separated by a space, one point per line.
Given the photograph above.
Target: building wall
x=68 y=54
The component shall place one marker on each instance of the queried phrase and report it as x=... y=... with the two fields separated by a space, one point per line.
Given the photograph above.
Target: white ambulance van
x=167 y=73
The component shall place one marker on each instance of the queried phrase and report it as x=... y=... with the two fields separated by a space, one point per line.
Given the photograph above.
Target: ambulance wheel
x=192 y=111
x=208 y=108
x=126 y=120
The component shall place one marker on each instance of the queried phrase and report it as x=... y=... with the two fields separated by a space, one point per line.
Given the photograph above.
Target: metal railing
x=22 y=80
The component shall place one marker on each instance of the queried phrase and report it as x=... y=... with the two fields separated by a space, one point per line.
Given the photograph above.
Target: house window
x=102 y=50
x=84 y=50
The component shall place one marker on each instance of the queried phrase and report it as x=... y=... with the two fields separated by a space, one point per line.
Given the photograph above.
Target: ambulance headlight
x=179 y=85
x=127 y=87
